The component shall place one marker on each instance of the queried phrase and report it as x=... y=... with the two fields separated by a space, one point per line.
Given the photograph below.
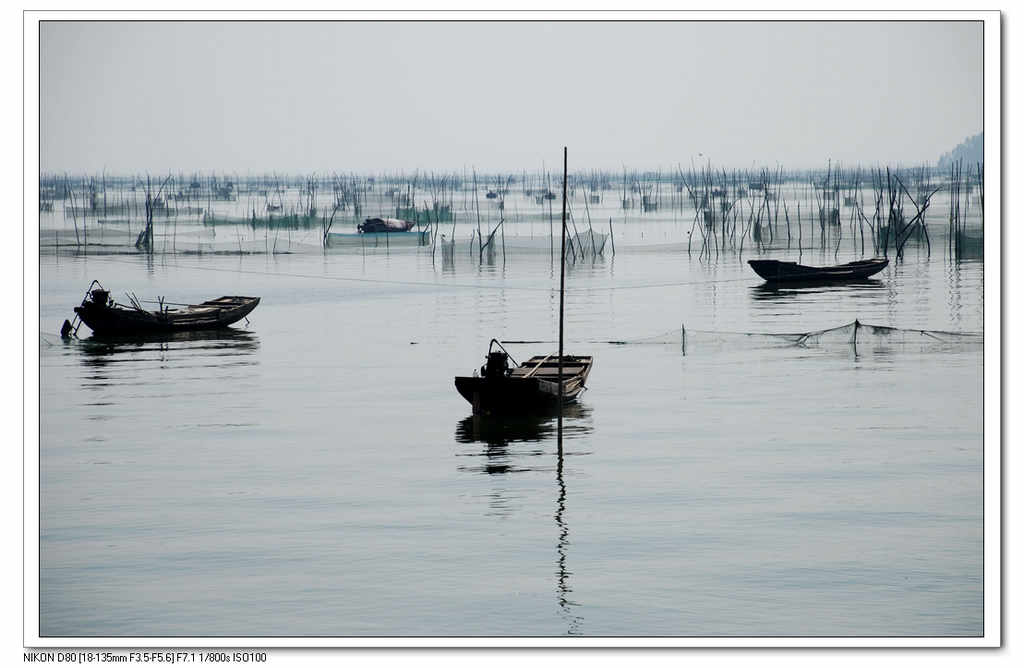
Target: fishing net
x=121 y=243
x=855 y=334
x=581 y=245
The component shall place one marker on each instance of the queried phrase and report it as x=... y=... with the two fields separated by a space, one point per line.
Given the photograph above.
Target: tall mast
x=561 y=288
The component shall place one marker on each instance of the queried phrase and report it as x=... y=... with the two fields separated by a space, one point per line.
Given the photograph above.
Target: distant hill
x=971 y=150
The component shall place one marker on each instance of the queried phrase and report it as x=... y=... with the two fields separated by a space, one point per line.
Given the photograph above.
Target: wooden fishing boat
x=537 y=385
x=500 y=388
x=105 y=317
x=776 y=271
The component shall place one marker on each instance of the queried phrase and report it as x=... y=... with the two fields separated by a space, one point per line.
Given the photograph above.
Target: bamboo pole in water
x=74 y=215
x=799 y=230
x=551 y=219
x=561 y=296
x=476 y=199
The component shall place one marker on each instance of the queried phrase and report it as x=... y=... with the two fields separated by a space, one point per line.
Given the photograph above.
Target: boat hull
x=381 y=239
x=512 y=396
x=106 y=320
x=775 y=271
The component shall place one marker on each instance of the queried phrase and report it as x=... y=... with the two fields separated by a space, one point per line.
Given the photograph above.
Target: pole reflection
x=565 y=604
x=513 y=445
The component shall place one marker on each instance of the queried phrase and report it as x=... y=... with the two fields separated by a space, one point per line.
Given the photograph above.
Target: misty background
x=366 y=96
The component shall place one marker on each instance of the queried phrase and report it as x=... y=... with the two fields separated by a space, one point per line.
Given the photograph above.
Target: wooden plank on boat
x=536 y=367
x=548 y=373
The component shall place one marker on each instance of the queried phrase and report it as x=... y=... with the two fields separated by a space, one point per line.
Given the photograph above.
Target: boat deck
x=227 y=301
x=211 y=306
x=546 y=367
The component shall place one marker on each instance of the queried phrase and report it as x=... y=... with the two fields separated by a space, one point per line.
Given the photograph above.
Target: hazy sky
x=343 y=96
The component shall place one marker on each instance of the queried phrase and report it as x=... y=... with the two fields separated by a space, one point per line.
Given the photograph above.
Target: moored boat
x=105 y=317
x=500 y=388
x=777 y=271
x=542 y=382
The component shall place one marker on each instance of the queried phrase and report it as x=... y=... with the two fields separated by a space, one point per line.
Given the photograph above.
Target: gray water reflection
x=112 y=362
x=573 y=620
x=498 y=434
x=725 y=444
x=796 y=290
x=209 y=349
x=515 y=444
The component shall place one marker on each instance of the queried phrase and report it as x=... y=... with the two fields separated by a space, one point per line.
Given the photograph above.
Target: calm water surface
x=315 y=473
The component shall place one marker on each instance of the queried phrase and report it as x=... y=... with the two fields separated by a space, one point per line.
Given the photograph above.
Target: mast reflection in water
x=564 y=604
x=516 y=445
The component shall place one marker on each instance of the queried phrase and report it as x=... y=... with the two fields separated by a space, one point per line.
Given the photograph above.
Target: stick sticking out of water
x=561 y=296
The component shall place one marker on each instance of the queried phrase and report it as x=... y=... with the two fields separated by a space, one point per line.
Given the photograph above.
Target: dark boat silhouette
x=531 y=387
x=105 y=317
x=385 y=225
x=539 y=383
x=777 y=271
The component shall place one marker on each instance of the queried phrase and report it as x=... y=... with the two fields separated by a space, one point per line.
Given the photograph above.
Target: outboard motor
x=95 y=298
x=497 y=365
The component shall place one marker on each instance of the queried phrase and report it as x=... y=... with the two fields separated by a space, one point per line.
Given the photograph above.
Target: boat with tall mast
x=541 y=383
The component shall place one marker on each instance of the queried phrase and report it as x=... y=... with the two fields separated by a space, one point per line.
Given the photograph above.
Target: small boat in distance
x=105 y=317
x=385 y=225
x=531 y=387
x=777 y=271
